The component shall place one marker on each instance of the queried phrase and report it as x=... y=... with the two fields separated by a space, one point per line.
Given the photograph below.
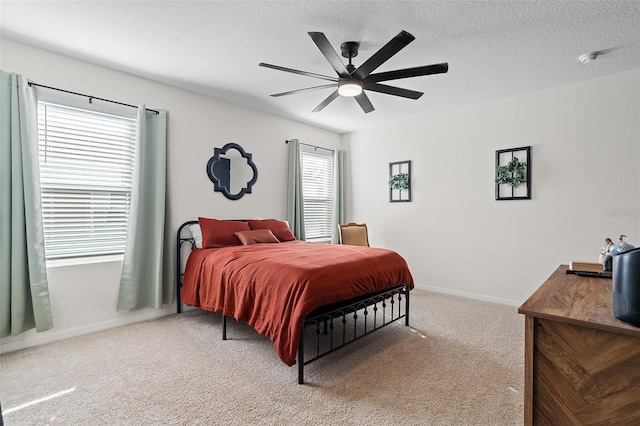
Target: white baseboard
x=482 y=297
x=30 y=338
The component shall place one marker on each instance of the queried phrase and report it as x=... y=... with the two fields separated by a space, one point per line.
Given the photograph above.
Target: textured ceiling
x=495 y=49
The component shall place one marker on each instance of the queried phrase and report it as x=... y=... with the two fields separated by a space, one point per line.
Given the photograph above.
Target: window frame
x=328 y=225
x=92 y=105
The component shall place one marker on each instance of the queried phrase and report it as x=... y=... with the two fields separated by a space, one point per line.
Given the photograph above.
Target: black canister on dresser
x=626 y=287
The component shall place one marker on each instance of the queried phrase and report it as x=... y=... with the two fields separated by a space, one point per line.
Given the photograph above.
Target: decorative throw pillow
x=256 y=236
x=220 y=233
x=279 y=228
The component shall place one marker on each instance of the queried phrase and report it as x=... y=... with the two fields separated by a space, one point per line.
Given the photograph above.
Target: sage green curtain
x=24 y=291
x=338 y=194
x=141 y=283
x=295 y=201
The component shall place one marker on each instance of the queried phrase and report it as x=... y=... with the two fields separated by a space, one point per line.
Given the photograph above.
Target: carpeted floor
x=460 y=363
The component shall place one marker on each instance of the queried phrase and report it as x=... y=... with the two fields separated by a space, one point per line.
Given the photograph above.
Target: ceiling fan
x=352 y=81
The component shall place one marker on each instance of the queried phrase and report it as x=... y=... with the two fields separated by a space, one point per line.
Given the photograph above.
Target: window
x=317 y=190
x=86 y=173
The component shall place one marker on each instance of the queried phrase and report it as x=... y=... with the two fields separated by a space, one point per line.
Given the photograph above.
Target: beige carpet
x=460 y=363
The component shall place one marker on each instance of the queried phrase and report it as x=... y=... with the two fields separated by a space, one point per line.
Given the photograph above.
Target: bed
x=310 y=299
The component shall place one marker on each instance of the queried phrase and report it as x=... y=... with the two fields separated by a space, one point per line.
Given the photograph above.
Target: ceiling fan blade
x=327 y=101
x=391 y=90
x=364 y=102
x=305 y=73
x=292 y=92
x=408 y=72
x=381 y=56
x=329 y=53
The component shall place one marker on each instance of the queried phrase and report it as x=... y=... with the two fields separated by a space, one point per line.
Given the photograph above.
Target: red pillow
x=256 y=236
x=279 y=228
x=220 y=233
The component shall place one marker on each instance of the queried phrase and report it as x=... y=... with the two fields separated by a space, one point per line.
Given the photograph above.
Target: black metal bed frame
x=333 y=326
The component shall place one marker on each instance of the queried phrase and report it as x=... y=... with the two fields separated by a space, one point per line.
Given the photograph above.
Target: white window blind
x=86 y=173
x=317 y=190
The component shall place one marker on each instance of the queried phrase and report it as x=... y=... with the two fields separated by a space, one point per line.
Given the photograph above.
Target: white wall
x=84 y=297
x=585 y=141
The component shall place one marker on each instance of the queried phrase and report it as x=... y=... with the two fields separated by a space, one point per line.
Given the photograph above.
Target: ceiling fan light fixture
x=349 y=88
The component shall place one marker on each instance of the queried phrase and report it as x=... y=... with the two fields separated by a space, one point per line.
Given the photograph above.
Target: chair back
x=354 y=234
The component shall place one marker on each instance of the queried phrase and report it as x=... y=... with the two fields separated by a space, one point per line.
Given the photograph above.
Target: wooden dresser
x=582 y=366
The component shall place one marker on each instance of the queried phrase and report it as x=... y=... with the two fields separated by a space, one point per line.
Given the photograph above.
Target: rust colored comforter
x=273 y=287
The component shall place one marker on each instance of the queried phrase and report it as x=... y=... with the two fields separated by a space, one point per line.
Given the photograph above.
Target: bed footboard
x=335 y=326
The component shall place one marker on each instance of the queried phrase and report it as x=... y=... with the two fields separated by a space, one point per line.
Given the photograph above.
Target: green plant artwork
x=399 y=181
x=512 y=174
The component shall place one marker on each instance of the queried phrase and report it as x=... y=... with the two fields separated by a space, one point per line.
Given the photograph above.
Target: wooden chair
x=354 y=234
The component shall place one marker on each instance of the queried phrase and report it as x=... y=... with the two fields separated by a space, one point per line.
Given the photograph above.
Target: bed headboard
x=182 y=237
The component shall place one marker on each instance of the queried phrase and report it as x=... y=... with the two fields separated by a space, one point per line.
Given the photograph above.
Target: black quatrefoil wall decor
x=232 y=171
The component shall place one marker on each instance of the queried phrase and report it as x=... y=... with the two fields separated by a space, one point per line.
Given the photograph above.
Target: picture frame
x=400 y=181
x=513 y=174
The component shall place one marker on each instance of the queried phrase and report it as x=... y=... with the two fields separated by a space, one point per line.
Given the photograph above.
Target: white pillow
x=196 y=233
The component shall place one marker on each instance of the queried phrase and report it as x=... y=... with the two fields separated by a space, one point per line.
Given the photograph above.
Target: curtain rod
x=313 y=146
x=89 y=96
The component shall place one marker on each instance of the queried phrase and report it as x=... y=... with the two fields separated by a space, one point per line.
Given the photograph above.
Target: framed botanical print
x=400 y=181
x=513 y=174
